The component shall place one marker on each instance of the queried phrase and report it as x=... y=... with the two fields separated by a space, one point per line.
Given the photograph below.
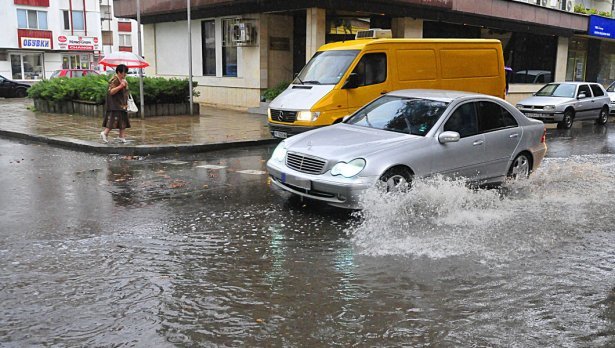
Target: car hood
x=300 y=97
x=536 y=100
x=346 y=142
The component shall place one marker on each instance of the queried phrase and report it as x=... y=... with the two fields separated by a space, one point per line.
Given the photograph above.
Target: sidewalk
x=212 y=129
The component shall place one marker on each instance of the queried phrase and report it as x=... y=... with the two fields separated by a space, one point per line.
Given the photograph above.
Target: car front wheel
x=396 y=179
x=566 y=122
x=603 y=117
x=520 y=167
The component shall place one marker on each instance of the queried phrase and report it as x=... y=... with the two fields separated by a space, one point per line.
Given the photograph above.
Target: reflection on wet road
x=197 y=250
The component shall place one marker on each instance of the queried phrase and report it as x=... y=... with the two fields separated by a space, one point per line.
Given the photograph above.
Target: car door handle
x=514 y=135
x=478 y=142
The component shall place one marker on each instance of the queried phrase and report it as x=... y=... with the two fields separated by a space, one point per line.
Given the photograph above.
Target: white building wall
x=52 y=58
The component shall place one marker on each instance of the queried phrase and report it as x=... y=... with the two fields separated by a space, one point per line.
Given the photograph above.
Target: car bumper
x=612 y=108
x=546 y=117
x=336 y=191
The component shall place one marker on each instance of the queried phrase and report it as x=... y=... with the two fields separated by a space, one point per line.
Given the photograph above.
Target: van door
x=371 y=76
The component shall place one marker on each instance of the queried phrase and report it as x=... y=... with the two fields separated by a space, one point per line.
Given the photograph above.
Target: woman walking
x=116 y=116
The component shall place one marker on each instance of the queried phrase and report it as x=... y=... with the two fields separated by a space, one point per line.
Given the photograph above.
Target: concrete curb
x=137 y=150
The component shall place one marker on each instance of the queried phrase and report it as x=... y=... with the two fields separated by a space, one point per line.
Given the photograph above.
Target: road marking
x=211 y=166
x=251 y=172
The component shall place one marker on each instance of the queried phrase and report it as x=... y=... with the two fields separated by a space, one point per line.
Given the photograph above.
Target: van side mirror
x=448 y=137
x=352 y=81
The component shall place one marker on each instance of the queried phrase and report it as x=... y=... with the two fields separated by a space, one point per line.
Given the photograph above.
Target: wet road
x=196 y=250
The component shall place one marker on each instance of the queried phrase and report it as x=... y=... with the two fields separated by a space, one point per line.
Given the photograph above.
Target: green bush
x=580 y=8
x=94 y=88
x=271 y=93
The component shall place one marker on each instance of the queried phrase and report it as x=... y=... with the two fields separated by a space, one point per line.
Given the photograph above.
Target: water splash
x=441 y=218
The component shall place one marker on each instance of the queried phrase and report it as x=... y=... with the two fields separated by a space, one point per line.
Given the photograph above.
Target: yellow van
x=343 y=76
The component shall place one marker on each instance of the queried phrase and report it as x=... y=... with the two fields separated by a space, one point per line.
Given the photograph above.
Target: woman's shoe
x=104 y=137
x=122 y=140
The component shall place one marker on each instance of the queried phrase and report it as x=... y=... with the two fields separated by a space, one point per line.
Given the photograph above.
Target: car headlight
x=518 y=106
x=307 y=116
x=279 y=154
x=350 y=169
x=549 y=107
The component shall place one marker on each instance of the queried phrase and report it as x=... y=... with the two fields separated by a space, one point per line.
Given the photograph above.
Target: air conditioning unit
x=242 y=33
x=374 y=34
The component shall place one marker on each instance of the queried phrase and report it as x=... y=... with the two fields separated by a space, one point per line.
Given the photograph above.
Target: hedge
x=93 y=88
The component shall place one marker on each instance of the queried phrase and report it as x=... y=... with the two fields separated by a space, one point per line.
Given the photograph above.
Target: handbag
x=132 y=107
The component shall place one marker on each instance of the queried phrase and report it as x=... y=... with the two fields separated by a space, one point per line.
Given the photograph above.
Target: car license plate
x=279 y=134
x=534 y=115
x=297 y=182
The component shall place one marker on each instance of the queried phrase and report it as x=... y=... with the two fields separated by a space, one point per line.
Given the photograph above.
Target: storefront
x=80 y=51
x=601 y=49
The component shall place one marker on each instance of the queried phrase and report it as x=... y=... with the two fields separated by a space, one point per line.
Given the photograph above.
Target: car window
x=463 y=121
x=492 y=116
x=584 y=89
x=372 y=69
x=597 y=90
x=403 y=115
x=565 y=90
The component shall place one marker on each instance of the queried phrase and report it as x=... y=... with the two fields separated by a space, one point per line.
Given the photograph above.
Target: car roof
x=446 y=96
x=571 y=83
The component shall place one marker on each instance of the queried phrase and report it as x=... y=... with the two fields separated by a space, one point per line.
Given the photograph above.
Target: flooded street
x=198 y=250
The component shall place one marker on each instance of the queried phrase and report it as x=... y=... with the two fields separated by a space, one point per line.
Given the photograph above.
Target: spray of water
x=441 y=218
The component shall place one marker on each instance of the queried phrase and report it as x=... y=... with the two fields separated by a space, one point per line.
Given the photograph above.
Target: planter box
x=87 y=108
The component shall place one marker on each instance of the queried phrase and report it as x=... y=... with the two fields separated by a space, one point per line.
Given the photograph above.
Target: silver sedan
x=565 y=102
x=405 y=134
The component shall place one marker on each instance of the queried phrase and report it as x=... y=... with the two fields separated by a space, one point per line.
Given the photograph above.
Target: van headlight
x=549 y=108
x=307 y=116
x=279 y=154
x=350 y=169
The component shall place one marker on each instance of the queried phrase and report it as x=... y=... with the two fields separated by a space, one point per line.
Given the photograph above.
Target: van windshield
x=326 y=68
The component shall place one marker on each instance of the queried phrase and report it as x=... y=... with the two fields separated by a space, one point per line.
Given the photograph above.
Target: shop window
x=78 y=22
x=27 y=66
x=208 y=34
x=577 y=58
x=229 y=50
x=340 y=28
x=530 y=56
x=372 y=69
x=76 y=61
x=31 y=19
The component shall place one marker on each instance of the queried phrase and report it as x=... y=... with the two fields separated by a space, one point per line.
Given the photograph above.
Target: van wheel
x=567 y=121
x=397 y=179
x=603 y=116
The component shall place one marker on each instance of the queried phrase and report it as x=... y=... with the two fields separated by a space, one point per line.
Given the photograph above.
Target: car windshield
x=326 y=68
x=557 y=90
x=611 y=87
x=403 y=115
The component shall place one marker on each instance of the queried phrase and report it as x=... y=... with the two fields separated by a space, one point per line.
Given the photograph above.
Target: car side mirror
x=582 y=95
x=352 y=81
x=448 y=137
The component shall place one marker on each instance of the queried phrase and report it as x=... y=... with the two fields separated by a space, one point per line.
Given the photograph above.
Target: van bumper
x=284 y=131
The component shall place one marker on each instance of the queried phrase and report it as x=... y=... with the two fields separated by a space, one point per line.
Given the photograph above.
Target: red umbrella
x=129 y=59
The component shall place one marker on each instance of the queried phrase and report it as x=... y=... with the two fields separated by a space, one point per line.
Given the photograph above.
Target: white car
x=611 y=92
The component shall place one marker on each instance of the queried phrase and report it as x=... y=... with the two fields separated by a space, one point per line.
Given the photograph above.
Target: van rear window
x=466 y=63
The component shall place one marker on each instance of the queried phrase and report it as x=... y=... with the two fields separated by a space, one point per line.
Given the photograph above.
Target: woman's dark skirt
x=116 y=120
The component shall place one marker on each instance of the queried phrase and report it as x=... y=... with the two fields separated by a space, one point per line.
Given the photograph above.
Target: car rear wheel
x=397 y=179
x=21 y=93
x=603 y=117
x=567 y=121
x=520 y=167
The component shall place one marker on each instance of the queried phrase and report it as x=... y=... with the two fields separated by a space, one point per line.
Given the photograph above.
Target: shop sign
x=78 y=43
x=601 y=27
x=34 y=42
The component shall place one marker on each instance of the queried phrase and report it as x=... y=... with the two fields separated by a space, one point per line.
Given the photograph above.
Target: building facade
x=41 y=36
x=118 y=34
x=240 y=48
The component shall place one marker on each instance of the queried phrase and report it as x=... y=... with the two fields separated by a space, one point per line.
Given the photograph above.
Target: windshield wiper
x=313 y=82
x=297 y=78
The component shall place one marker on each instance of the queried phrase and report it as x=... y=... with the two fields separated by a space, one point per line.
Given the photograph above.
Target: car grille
x=283 y=115
x=304 y=164
x=532 y=107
